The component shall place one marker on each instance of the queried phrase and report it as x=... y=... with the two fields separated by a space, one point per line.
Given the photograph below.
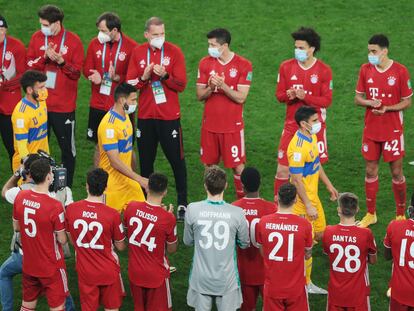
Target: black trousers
x=6 y=131
x=168 y=133
x=63 y=125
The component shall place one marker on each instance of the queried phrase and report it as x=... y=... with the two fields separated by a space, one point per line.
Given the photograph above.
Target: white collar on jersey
x=314 y=62
x=384 y=70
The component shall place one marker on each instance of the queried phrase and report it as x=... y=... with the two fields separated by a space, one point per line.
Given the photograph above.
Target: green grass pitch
x=261 y=32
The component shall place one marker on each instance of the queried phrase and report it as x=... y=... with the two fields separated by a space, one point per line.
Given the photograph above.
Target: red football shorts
x=55 y=288
x=396 y=306
x=287 y=137
x=154 y=299
x=226 y=146
x=250 y=295
x=295 y=304
x=109 y=296
x=391 y=150
x=365 y=306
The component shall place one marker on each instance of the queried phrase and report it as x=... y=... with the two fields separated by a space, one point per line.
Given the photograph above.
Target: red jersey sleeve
x=388 y=235
x=135 y=71
x=324 y=241
x=89 y=64
x=246 y=74
x=72 y=67
x=281 y=85
x=123 y=74
x=177 y=79
x=117 y=228
x=308 y=235
x=202 y=74
x=57 y=217
x=325 y=98
x=406 y=89
x=34 y=60
x=360 y=88
x=20 y=65
x=371 y=245
x=172 y=231
x=258 y=233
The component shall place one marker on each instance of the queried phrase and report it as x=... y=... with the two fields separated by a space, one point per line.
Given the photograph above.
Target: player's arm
x=403 y=104
x=188 y=237
x=308 y=253
x=372 y=258
x=238 y=96
x=325 y=98
x=16 y=225
x=360 y=100
x=116 y=163
x=21 y=132
x=120 y=245
x=387 y=243
x=177 y=78
x=242 y=236
x=297 y=180
x=136 y=76
x=11 y=183
x=387 y=253
x=203 y=92
x=172 y=247
x=33 y=60
x=204 y=89
x=72 y=67
x=16 y=69
x=331 y=189
x=61 y=237
x=281 y=87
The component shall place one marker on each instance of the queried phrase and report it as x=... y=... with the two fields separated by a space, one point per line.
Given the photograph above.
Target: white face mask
x=157 y=42
x=46 y=30
x=130 y=108
x=315 y=128
x=103 y=37
x=214 y=52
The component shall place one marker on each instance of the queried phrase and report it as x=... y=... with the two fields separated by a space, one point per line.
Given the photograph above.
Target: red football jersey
x=14 y=57
x=149 y=228
x=284 y=238
x=250 y=261
x=39 y=217
x=400 y=238
x=93 y=60
x=174 y=63
x=221 y=114
x=93 y=228
x=316 y=81
x=62 y=97
x=390 y=86
x=348 y=248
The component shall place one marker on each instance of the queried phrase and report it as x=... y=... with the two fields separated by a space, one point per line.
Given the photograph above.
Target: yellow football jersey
x=303 y=157
x=115 y=132
x=29 y=129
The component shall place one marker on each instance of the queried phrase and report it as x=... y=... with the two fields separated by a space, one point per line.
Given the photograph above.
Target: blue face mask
x=374 y=59
x=214 y=52
x=301 y=55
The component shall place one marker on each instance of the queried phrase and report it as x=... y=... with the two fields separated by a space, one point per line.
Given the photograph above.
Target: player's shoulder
x=242 y=60
x=15 y=42
x=128 y=40
x=323 y=65
x=94 y=43
x=239 y=202
x=288 y=63
x=206 y=60
x=366 y=67
x=398 y=66
x=172 y=47
x=73 y=36
x=37 y=35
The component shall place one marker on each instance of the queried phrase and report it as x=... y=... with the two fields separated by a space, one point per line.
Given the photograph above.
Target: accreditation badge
x=51 y=79
x=158 y=91
x=106 y=84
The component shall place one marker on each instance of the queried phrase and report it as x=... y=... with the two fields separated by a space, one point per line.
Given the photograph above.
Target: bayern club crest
x=391 y=80
x=166 y=61
x=122 y=56
x=314 y=79
x=365 y=147
x=8 y=55
x=280 y=154
x=64 y=50
x=233 y=72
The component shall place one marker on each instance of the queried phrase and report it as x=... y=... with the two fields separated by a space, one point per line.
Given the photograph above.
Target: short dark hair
x=39 y=170
x=348 y=203
x=112 y=20
x=30 y=77
x=153 y=21
x=215 y=180
x=29 y=160
x=379 y=39
x=97 y=180
x=304 y=113
x=221 y=35
x=157 y=183
x=250 y=178
x=287 y=194
x=51 y=13
x=123 y=90
x=309 y=35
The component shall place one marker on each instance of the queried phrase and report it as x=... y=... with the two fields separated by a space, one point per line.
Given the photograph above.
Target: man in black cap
x=12 y=66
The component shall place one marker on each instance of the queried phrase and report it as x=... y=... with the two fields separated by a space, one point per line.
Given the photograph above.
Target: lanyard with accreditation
x=157 y=88
x=51 y=75
x=106 y=83
x=3 y=57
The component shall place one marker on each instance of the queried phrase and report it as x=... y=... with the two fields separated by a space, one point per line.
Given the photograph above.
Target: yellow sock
x=308 y=264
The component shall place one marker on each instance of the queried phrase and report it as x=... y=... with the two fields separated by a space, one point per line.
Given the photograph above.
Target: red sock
x=238 y=185
x=277 y=183
x=371 y=189
x=400 y=195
